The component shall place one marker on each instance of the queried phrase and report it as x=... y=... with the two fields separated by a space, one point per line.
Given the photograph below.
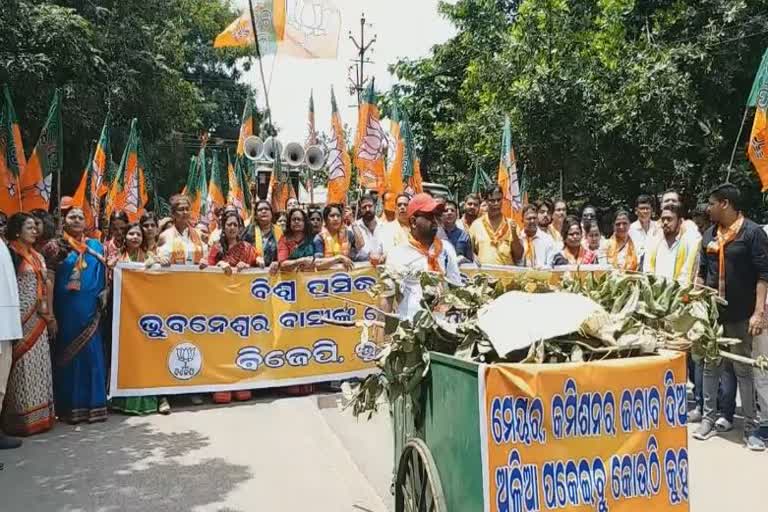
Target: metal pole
x=261 y=66
x=736 y=144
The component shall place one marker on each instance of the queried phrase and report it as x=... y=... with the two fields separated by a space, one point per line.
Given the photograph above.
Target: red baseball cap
x=423 y=203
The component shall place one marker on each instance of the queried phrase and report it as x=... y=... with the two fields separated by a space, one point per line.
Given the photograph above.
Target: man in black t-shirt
x=734 y=261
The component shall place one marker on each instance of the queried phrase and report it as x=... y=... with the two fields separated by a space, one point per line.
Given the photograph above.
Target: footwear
x=762 y=433
x=723 y=425
x=196 y=399
x=753 y=442
x=705 y=431
x=164 y=407
x=694 y=416
x=9 y=443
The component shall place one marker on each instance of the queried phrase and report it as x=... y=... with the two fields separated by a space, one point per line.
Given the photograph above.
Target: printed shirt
x=488 y=253
x=371 y=240
x=407 y=259
x=678 y=261
x=541 y=245
x=460 y=240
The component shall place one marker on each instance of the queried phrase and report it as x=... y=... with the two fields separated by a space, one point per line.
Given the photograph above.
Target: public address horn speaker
x=253 y=148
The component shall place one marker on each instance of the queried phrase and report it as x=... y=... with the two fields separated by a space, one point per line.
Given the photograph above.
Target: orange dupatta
x=630 y=262
x=432 y=253
x=499 y=234
x=32 y=258
x=335 y=245
x=723 y=238
x=179 y=250
x=80 y=247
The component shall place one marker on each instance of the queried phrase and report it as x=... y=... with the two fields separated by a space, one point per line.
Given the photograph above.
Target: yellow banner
x=184 y=330
x=606 y=436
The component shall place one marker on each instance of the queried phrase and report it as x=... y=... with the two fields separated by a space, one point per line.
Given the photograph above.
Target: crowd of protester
x=55 y=336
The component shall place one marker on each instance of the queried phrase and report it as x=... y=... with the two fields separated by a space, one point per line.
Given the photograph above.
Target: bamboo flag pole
x=261 y=65
x=736 y=144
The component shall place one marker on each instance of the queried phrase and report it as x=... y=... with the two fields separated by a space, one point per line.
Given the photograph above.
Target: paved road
x=273 y=454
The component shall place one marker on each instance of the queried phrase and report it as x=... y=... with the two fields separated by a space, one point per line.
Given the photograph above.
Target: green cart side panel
x=450 y=429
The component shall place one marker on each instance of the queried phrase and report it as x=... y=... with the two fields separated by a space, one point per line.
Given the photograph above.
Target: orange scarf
x=80 y=247
x=723 y=238
x=139 y=256
x=630 y=261
x=335 y=245
x=33 y=259
x=501 y=232
x=179 y=250
x=530 y=251
x=431 y=253
x=584 y=257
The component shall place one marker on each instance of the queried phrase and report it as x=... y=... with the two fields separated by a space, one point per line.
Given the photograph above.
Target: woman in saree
x=79 y=374
x=316 y=221
x=114 y=243
x=296 y=250
x=264 y=235
x=336 y=243
x=231 y=252
x=134 y=251
x=29 y=397
x=150 y=232
x=181 y=244
x=573 y=252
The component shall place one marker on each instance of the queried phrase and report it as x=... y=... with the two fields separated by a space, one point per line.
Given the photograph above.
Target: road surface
x=272 y=454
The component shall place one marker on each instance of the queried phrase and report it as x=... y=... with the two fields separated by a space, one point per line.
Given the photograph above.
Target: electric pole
x=357 y=79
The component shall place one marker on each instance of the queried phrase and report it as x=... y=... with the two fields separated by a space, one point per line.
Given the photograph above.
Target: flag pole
x=261 y=65
x=736 y=144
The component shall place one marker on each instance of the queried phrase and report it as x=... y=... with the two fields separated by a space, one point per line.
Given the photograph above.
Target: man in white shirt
x=538 y=247
x=422 y=252
x=687 y=226
x=672 y=255
x=369 y=228
x=10 y=329
x=395 y=233
x=643 y=229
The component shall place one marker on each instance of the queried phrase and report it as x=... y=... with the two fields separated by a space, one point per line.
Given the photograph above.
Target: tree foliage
x=149 y=59
x=622 y=96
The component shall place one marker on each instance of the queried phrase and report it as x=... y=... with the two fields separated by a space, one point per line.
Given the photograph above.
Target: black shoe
x=9 y=443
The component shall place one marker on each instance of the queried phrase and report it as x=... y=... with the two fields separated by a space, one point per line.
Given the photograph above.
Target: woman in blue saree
x=79 y=369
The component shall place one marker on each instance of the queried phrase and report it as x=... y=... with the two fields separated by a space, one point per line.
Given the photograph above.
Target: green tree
x=149 y=59
x=621 y=96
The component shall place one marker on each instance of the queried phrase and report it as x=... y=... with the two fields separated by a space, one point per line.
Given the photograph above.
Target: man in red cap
x=423 y=252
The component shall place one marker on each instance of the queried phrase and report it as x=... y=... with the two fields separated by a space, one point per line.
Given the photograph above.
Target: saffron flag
x=46 y=160
x=370 y=144
x=312 y=137
x=191 y=170
x=197 y=188
x=84 y=198
x=128 y=191
x=511 y=205
x=12 y=161
x=235 y=194
x=304 y=29
x=395 y=172
x=339 y=163
x=758 y=139
x=760 y=78
x=481 y=182
x=215 y=198
x=280 y=187
x=246 y=127
x=100 y=170
x=411 y=174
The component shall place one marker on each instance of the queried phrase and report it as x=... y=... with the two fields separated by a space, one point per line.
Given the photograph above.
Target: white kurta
x=10 y=309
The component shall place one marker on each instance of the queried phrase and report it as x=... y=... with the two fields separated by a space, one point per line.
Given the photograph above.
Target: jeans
x=761 y=378
x=696 y=375
x=744 y=377
x=726 y=397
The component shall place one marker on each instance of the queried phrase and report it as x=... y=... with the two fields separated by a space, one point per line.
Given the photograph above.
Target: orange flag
x=339 y=163
x=235 y=195
x=395 y=173
x=83 y=198
x=215 y=199
x=370 y=144
x=758 y=139
x=512 y=204
x=12 y=161
x=129 y=191
x=46 y=160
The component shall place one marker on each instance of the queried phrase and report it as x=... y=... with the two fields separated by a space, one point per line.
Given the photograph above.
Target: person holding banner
x=336 y=244
x=80 y=281
x=181 y=244
x=29 y=399
x=315 y=221
x=539 y=248
x=134 y=252
x=494 y=237
x=296 y=250
x=231 y=251
x=573 y=253
x=264 y=235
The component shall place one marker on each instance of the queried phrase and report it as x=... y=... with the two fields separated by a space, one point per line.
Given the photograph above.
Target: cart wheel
x=417 y=488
